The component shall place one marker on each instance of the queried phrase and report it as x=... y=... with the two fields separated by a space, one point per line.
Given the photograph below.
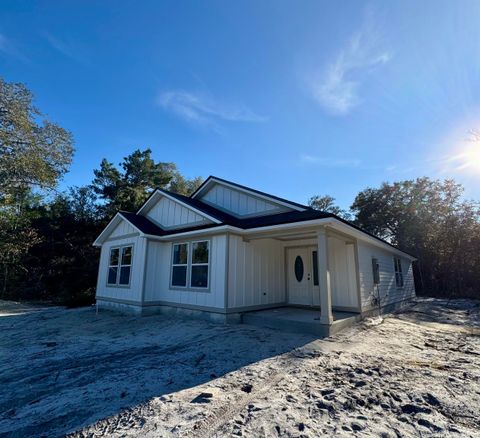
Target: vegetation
x=429 y=219
x=46 y=237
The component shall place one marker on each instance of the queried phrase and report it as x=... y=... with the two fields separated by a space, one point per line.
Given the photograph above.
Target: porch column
x=326 y=316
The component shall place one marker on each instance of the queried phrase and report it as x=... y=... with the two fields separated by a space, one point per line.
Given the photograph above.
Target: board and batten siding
x=170 y=215
x=257 y=272
x=122 y=229
x=389 y=292
x=132 y=292
x=157 y=276
x=343 y=273
x=240 y=204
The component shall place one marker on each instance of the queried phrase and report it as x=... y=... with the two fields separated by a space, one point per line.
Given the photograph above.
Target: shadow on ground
x=64 y=369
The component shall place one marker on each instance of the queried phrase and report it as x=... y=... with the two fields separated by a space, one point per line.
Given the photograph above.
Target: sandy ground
x=415 y=373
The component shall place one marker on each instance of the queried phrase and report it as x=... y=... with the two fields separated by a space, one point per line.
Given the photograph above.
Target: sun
x=469 y=158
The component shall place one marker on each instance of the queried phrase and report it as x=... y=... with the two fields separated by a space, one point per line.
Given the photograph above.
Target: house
x=228 y=251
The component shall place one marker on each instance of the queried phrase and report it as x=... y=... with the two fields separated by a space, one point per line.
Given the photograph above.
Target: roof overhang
x=290 y=229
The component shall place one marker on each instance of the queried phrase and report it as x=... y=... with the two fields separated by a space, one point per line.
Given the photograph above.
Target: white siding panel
x=240 y=204
x=122 y=229
x=389 y=292
x=157 y=278
x=134 y=291
x=342 y=273
x=170 y=214
x=256 y=274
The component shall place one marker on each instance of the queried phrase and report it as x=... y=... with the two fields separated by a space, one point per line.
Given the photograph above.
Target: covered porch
x=320 y=278
x=300 y=320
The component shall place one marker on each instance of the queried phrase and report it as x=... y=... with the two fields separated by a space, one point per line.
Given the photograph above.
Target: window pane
x=112 y=275
x=114 y=256
x=124 y=275
x=199 y=276
x=180 y=254
x=200 y=252
x=179 y=276
x=399 y=279
x=298 y=268
x=315 y=267
x=127 y=255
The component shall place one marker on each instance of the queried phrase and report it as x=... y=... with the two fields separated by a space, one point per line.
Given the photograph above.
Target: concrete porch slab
x=300 y=320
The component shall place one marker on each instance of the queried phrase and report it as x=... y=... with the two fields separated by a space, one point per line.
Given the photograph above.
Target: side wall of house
x=256 y=273
x=132 y=292
x=158 y=272
x=389 y=292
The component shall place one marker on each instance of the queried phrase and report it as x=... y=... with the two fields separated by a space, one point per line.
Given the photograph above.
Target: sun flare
x=469 y=158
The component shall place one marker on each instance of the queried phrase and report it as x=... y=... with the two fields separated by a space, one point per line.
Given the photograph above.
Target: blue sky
x=293 y=98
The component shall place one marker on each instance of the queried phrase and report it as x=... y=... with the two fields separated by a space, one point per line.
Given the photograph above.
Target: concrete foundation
x=293 y=319
x=171 y=311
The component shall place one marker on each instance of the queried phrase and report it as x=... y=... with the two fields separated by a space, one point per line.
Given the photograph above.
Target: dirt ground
x=415 y=373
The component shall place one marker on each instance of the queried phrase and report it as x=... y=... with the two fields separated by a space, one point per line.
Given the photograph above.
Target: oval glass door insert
x=298 y=269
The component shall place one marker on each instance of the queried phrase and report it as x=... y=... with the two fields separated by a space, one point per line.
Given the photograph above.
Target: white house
x=228 y=250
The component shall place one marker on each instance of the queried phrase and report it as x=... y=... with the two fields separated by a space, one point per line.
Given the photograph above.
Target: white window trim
x=119 y=266
x=179 y=264
x=398 y=269
x=189 y=265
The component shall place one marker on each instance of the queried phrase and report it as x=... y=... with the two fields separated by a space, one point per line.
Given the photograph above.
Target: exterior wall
x=170 y=214
x=133 y=292
x=157 y=276
x=256 y=272
x=389 y=292
x=240 y=204
x=343 y=275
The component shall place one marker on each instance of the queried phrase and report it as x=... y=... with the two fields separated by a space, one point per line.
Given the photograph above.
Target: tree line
x=46 y=236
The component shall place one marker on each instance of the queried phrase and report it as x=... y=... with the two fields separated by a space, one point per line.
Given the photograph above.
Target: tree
x=128 y=187
x=63 y=266
x=183 y=186
x=32 y=153
x=327 y=203
x=430 y=219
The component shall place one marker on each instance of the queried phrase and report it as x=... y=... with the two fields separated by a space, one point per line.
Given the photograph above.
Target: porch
x=296 y=272
x=300 y=320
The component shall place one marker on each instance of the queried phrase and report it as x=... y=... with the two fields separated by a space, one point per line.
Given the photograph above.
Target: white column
x=326 y=316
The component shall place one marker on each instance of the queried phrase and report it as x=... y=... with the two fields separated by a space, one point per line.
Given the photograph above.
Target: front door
x=300 y=276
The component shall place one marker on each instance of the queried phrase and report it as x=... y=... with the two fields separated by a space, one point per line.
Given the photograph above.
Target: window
x=398 y=271
x=120 y=266
x=199 y=276
x=298 y=268
x=180 y=264
x=190 y=264
x=315 y=267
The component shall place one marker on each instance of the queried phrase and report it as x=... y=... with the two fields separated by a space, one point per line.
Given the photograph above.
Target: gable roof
x=177 y=198
x=212 y=179
x=219 y=218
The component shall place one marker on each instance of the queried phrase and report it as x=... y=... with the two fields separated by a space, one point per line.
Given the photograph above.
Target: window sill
x=190 y=289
